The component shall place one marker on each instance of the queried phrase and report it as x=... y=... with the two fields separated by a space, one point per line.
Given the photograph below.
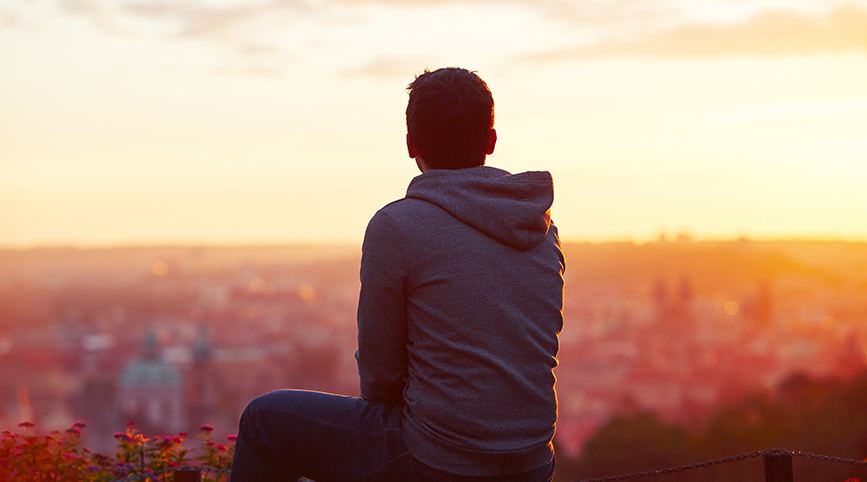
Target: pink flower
x=27 y=424
x=182 y=434
x=79 y=425
x=166 y=441
x=130 y=424
x=120 y=435
x=206 y=428
x=123 y=468
x=73 y=431
x=94 y=468
x=232 y=438
x=222 y=448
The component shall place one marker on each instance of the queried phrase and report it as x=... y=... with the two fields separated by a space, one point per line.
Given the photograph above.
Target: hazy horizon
x=672 y=238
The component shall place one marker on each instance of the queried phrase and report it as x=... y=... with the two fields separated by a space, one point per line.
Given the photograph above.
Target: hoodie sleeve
x=382 y=328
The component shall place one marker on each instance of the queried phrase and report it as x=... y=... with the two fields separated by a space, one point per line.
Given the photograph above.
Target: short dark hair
x=449 y=117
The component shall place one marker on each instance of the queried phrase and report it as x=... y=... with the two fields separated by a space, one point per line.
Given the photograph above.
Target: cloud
x=279 y=32
x=190 y=18
x=766 y=34
x=197 y=19
x=386 y=69
x=608 y=14
x=260 y=49
x=245 y=31
x=252 y=70
x=102 y=15
x=10 y=19
x=420 y=3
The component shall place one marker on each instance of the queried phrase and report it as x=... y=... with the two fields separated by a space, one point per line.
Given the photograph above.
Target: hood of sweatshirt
x=512 y=208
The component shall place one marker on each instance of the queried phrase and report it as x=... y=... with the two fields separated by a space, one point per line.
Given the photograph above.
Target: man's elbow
x=384 y=393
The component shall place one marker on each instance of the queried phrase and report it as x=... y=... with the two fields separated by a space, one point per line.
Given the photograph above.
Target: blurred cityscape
x=175 y=337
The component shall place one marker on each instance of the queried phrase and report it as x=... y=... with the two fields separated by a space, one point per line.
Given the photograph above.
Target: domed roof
x=150 y=373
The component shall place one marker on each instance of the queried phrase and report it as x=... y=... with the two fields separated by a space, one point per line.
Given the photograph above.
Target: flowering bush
x=27 y=457
x=216 y=455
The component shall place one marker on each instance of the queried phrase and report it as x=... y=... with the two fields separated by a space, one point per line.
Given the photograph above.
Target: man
x=458 y=317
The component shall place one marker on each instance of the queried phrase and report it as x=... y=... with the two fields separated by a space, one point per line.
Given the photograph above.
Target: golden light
x=160 y=268
x=257 y=285
x=755 y=117
x=306 y=292
x=731 y=308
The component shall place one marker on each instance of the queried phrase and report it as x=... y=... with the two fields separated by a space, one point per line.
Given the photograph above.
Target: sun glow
x=168 y=127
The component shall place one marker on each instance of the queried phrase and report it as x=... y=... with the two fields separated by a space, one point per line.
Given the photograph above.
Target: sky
x=282 y=121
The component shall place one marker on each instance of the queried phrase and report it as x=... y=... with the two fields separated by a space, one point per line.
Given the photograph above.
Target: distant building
x=151 y=392
x=201 y=388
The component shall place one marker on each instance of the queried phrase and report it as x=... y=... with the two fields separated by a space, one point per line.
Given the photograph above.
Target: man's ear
x=410 y=147
x=491 y=143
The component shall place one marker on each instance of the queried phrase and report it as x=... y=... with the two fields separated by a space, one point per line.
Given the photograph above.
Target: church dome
x=150 y=373
x=150 y=370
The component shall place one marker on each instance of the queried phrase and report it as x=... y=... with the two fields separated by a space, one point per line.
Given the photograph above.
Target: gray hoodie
x=458 y=317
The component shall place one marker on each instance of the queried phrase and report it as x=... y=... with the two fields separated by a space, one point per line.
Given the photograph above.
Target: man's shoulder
x=408 y=221
x=405 y=209
x=395 y=213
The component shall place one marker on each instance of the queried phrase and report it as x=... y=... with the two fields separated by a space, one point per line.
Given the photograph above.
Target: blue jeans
x=332 y=438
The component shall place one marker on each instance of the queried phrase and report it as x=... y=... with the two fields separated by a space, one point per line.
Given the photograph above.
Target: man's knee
x=263 y=403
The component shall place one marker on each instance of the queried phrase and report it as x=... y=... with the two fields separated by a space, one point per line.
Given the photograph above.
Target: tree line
x=821 y=416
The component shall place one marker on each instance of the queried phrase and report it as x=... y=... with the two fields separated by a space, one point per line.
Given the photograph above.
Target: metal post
x=778 y=467
x=188 y=476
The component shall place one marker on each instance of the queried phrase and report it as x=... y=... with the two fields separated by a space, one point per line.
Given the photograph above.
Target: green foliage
x=56 y=457
x=819 y=416
x=630 y=435
x=631 y=444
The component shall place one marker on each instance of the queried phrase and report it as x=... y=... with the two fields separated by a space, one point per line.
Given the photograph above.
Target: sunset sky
x=280 y=121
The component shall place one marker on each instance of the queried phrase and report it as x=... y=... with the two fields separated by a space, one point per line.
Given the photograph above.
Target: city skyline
x=675 y=328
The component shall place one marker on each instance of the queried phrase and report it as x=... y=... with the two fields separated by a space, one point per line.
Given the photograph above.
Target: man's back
x=458 y=318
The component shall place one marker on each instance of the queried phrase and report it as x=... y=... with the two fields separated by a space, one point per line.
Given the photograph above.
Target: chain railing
x=679 y=468
x=184 y=473
x=777 y=461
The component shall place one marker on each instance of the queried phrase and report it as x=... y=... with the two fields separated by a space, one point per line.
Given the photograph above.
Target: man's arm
x=381 y=355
